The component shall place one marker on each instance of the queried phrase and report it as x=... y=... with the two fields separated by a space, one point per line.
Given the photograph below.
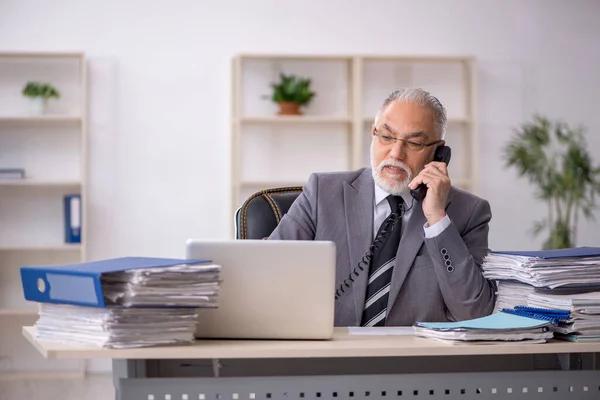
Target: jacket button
x=448 y=263
x=444 y=251
x=450 y=268
x=446 y=257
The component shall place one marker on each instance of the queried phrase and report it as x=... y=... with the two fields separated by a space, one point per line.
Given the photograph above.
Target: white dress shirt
x=382 y=210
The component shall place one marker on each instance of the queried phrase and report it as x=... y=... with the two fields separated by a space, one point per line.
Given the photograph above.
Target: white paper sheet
x=382 y=331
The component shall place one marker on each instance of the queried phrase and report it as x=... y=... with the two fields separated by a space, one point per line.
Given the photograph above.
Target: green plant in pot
x=291 y=93
x=38 y=94
x=554 y=157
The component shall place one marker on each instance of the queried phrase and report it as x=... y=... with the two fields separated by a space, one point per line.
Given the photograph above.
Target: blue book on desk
x=80 y=284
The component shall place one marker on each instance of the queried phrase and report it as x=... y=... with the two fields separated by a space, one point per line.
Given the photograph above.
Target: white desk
x=356 y=367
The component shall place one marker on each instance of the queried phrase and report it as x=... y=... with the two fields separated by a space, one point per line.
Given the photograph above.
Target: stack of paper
x=578 y=267
x=581 y=304
x=124 y=302
x=194 y=285
x=116 y=327
x=512 y=294
x=496 y=328
x=584 y=308
x=566 y=279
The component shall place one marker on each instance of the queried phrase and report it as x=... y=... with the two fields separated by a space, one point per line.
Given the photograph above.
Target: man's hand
x=435 y=177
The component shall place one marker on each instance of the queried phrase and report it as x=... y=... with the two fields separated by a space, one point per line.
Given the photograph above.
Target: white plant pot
x=37 y=106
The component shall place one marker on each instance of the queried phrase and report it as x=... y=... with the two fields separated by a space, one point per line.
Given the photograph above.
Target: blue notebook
x=80 y=284
x=560 y=253
x=496 y=321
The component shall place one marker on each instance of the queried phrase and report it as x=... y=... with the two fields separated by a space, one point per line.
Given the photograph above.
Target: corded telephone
x=390 y=223
x=442 y=153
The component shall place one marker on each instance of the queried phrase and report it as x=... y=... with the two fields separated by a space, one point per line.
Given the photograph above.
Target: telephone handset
x=442 y=153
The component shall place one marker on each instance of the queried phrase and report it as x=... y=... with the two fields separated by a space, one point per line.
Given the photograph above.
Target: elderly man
x=426 y=265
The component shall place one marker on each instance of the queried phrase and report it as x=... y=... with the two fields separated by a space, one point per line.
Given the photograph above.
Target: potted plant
x=38 y=94
x=555 y=159
x=291 y=93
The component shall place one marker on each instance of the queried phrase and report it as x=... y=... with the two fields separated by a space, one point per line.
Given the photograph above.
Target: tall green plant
x=555 y=159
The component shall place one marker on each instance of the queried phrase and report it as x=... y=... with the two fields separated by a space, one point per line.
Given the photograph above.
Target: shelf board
x=39 y=183
x=40 y=54
x=307 y=119
x=461 y=183
x=451 y=120
x=296 y=57
x=417 y=58
x=56 y=247
x=271 y=184
x=25 y=119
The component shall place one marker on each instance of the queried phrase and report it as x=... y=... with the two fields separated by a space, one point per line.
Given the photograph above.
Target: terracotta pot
x=289 y=108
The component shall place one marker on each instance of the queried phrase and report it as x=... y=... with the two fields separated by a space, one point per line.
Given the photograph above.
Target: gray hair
x=422 y=98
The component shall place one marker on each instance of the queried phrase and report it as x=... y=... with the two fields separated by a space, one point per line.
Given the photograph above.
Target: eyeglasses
x=387 y=140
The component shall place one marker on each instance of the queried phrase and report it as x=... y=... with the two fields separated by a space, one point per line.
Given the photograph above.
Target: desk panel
x=523 y=385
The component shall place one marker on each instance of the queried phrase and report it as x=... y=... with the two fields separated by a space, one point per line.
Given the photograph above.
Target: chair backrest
x=261 y=212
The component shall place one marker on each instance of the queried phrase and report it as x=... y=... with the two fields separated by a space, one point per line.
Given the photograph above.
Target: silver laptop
x=271 y=289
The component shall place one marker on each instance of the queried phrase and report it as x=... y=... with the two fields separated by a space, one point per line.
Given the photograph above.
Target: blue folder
x=72 y=213
x=80 y=284
x=497 y=321
x=560 y=253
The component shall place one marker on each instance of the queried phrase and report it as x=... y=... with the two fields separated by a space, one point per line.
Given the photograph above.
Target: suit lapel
x=358 y=199
x=410 y=243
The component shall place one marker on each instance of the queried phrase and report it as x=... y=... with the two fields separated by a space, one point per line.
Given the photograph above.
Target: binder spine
x=72 y=211
x=62 y=287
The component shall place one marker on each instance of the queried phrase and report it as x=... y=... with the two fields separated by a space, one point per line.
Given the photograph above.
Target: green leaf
x=292 y=88
x=38 y=89
x=555 y=159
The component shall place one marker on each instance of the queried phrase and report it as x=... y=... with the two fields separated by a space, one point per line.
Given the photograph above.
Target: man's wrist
x=433 y=219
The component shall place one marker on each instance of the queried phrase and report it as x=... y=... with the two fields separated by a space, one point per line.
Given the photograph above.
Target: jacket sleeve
x=299 y=223
x=457 y=258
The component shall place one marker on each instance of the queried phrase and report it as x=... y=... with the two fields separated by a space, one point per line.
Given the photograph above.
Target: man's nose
x=398 y=150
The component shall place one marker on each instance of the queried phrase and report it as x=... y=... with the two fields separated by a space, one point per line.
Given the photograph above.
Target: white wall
x=160 y=93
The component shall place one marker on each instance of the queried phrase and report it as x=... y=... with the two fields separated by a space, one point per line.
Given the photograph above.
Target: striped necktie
x=380 y=271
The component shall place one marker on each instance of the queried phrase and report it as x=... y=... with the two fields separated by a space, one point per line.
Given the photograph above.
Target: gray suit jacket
x=339 y=207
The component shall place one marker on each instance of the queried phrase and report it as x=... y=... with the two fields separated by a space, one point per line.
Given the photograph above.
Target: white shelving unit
x=334 y=132
x=52 y=148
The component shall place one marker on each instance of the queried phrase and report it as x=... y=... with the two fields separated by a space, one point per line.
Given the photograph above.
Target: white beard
x=396 y=187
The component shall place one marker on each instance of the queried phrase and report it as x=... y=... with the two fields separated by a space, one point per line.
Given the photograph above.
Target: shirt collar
x=381 y=195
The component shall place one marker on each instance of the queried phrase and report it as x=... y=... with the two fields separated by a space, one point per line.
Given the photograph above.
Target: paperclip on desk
x=346 y=367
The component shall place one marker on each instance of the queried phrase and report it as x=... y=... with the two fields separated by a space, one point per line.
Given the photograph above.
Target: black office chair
x=261 y=212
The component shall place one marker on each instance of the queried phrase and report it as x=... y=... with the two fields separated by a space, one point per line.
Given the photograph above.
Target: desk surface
x=342 y=345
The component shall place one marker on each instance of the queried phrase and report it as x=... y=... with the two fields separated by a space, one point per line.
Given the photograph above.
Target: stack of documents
x=496 y=328
x=575 y=268
x=566 y=279
x=512 y=294
x=192 y=285
x=584 y=309
x=116 y=327
x=123 y=302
